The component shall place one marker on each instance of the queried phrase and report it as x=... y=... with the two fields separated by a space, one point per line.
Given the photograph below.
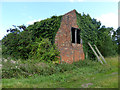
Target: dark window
x=75 y=35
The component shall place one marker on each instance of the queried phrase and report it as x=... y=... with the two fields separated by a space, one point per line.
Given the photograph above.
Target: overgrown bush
x=44 y=50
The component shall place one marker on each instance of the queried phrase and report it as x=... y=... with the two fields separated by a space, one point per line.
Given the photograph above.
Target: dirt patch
x=42 y=64
x=114 y=73
x=86 y=85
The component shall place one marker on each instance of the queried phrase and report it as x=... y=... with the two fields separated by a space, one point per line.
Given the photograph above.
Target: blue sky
x=18 y=13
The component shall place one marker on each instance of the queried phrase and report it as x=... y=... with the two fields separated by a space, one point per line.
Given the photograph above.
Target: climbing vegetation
x=94 y=33
x=24 y=42
x=37 y=40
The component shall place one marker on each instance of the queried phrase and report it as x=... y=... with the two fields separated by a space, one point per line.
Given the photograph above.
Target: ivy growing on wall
x=46 y=28
x=92 y=32
x=21 y=41
x=20 y=45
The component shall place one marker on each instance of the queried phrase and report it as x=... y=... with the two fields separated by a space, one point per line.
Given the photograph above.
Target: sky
x=23 y=12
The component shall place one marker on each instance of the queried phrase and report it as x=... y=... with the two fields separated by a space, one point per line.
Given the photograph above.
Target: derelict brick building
x=68 y=39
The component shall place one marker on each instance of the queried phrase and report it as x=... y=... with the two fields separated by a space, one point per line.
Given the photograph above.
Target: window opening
x=75 y=35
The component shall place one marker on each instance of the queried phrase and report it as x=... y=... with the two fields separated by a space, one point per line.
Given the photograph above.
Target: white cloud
x=32 y=22
x=109 y=20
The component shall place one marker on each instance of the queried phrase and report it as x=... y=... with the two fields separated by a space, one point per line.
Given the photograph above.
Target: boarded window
x=75 y=35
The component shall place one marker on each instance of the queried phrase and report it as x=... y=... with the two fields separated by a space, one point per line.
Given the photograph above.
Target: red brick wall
x=69 y=52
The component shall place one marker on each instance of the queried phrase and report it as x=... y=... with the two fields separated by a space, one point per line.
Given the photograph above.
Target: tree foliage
x=16 y=44
x=118 y=39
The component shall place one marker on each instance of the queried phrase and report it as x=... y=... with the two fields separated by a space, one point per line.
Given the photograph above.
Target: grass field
x=93 y=76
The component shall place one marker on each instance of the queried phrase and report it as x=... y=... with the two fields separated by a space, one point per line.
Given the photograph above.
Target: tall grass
x=82 y=74
x=16 y=69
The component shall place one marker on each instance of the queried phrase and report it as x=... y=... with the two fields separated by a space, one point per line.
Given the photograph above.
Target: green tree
x=105 y=42
x=15 y=44
x=118 y=39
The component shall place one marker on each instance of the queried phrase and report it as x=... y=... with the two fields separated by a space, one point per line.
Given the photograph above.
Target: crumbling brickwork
x=69 y=52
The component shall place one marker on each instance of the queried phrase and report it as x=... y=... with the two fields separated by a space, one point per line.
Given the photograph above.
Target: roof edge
x=70 y=12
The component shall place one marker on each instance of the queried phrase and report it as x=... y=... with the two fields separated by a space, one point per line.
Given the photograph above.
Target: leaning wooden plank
x=100 y=54
x=95 y=53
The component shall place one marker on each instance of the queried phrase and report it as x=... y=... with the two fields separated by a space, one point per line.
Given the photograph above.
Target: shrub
x=64 y=67
x=10 y=69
